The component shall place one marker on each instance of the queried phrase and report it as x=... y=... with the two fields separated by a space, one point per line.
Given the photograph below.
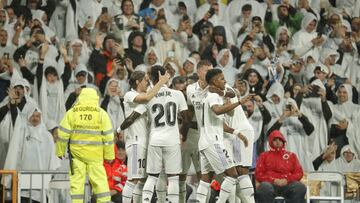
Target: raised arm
x=146 y=97
x=221 y=109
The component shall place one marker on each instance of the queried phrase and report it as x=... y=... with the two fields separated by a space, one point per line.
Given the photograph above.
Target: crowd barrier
x=41 y=182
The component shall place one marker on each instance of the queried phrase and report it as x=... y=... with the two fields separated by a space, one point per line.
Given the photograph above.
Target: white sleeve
x=214 y=99
x=130 y=96
x=141 y=109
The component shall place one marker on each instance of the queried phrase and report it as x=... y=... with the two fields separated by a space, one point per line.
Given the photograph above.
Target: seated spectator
x=347 y=162
x=116 y=172
x=279 y=173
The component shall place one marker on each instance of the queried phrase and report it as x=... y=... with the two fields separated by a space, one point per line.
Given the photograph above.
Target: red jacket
x=278 y=163
x=116 y=173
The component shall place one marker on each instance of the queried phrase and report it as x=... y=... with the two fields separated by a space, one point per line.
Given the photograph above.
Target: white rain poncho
x=165 y=47
x=346 y=109
x=31 y=148
x=341 y=165
x=145 y=67
x=230 y=72
x=275 y=110
x=312 y=108
x=73 y=86
x=302 y=40
x=51 y=98
x=57 y=22
x=294 y=132
x=114 y=108
x=350 y=112
x=37 y=15
x=336 y=68
x=285 y=56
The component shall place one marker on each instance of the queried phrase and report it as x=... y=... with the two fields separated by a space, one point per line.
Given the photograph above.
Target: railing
x=26 y=182
x=13 y=174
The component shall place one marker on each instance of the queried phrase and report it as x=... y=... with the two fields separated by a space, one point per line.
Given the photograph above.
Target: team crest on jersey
x=286 y=156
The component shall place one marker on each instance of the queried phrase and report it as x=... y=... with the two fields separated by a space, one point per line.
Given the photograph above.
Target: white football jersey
x=163 y=112
x=212 y=124
x=238 y=120
x=138 y=132
x=195 y=97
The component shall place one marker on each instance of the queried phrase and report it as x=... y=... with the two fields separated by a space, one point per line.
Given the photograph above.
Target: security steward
x=86 y=131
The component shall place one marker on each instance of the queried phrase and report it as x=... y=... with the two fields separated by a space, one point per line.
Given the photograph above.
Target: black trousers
x=293 y=192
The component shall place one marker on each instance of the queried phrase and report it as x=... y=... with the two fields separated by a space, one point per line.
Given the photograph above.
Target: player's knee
x=205 y=178
x=231 y=172
x=242 y=170
x=182 y=177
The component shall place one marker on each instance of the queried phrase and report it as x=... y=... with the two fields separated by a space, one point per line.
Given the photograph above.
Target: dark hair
x=107 y=37
x=137 y=75
x=154 y=73
x=120 y=144
x=246 y=7
x=193 y=77
x=256 y=18
x=203 y=63
x=50 y=70
x=123 y=4
x=38 y=29
x=211 y=74
x=178 y=80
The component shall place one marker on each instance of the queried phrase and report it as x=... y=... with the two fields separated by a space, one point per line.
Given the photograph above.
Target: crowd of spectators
x=295 y=65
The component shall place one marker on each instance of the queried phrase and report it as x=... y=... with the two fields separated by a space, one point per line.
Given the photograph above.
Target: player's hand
x=244 y=139
x=164 y=79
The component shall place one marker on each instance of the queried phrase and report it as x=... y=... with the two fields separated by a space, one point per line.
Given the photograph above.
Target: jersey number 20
x=169 y=110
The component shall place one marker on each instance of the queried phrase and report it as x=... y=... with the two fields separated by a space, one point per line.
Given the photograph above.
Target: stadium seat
x=326 y=176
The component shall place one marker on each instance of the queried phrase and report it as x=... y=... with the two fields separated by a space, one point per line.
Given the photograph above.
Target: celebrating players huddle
x=165 y=130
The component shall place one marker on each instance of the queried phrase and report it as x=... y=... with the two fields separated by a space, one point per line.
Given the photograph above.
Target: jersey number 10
x=169 y=110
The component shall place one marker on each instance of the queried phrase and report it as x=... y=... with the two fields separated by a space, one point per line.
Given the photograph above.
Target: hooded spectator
x=306 y=42
x=112 y=102
x=137 y=48
x=225 y=62
x=218 y=42
x=151 y=58
x=279 y=173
